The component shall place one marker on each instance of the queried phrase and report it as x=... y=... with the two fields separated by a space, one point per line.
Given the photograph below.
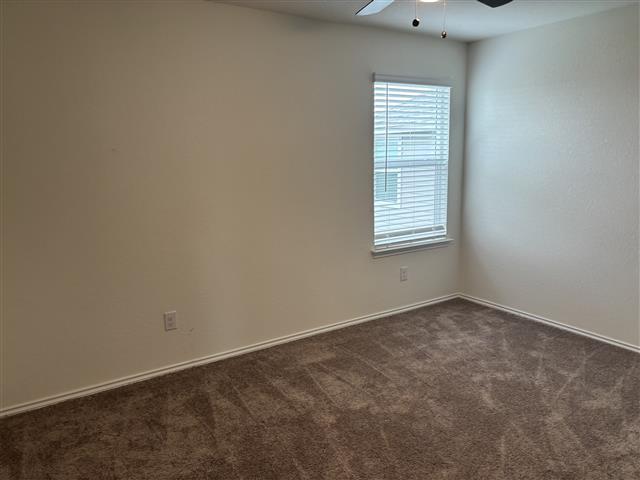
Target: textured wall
x=551 y=173
x=200 y=157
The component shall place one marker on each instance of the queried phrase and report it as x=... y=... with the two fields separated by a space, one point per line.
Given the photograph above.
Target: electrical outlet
x=404 y=274
x=170 y=320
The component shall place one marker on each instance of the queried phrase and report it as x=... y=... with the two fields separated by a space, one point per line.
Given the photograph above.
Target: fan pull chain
x=444 y=19
x=416 y=20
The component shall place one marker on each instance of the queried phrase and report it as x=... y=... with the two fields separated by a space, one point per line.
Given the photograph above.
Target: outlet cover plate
x=170 y=320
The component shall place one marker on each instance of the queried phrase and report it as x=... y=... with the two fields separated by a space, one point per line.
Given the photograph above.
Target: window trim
x=399 y=249
x=428 y=243
x=433 y=82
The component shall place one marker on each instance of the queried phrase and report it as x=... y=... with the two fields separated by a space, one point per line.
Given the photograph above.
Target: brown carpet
x=452 y=391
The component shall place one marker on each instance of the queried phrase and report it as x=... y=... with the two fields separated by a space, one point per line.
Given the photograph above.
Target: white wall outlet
x=170 y=320
x=404 y=274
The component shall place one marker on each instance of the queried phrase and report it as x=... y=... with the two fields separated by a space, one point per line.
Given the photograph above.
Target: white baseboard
x=552 y=323
x=101 y=387
x=82 y=392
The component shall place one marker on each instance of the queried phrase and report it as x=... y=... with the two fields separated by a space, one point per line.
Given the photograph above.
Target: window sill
x=400 y=249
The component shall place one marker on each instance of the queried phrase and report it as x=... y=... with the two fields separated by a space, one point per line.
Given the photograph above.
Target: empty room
x=319 y=239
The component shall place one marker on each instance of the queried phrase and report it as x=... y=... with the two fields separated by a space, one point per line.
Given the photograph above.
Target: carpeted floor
x=452 y=391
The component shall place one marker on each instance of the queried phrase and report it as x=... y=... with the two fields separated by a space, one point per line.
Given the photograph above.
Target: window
x=411 y=157
x=387 y=188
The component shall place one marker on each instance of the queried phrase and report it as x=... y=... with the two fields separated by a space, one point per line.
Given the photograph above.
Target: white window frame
x=445 y=240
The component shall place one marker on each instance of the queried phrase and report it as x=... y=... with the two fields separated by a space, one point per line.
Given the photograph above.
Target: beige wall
x=217 y=160
x=551 y=173
x=199 y=157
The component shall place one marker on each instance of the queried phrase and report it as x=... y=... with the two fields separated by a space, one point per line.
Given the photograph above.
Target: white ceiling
x=467 y=20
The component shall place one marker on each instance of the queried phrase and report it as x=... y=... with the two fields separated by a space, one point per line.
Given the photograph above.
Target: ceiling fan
x=376 y=6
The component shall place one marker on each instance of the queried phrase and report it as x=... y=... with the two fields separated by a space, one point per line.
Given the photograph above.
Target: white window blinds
x=411 y=156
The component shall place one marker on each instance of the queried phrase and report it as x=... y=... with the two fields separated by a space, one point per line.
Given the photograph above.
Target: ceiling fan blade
x=373 y=7
x=495 y=3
